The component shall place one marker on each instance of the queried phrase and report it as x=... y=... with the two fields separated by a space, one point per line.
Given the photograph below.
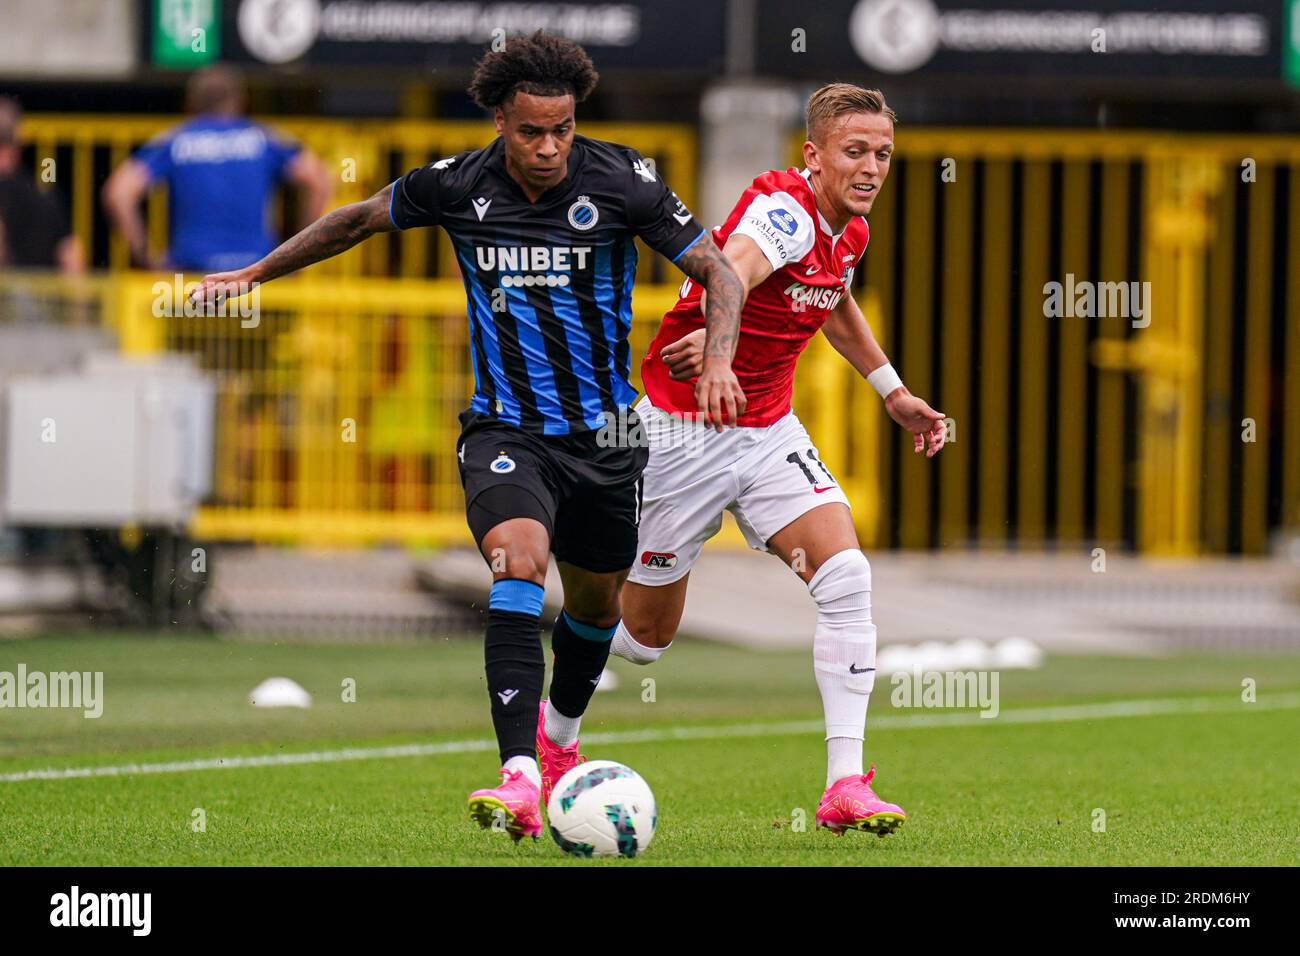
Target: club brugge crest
x=503 y=464
x=583 y=214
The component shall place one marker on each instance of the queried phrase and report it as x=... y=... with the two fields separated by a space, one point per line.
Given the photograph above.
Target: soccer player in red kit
x=794 y=238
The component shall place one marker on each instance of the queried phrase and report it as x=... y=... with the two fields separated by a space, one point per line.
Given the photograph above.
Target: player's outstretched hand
x=918 y=418
x=718 y=395
x=685 y=357
x=219 y=286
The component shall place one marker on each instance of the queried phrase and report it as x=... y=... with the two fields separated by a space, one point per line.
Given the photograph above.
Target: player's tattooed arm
x=331 y=234
x=724 y=295
x=717 y=391
x=685 y=357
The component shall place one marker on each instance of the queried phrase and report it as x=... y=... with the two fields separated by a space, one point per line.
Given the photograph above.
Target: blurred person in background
x=221 y=169
x=34 y=230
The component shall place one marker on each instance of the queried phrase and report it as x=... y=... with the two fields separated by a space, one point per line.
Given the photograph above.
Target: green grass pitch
x=1209 y=780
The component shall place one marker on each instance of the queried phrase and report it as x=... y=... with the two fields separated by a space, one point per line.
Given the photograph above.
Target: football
x=602 y=808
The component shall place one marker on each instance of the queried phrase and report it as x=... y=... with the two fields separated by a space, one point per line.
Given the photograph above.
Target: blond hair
x=837 y=99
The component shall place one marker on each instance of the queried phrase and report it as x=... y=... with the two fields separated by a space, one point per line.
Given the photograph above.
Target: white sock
x=624 y=645
x=560 y=729
x=844 y=656
x=528 y=765
x=843 y=758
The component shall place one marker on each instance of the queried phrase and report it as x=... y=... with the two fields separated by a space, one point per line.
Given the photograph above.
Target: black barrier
x=681 y=36
x=1101 y=42
x=441 y=907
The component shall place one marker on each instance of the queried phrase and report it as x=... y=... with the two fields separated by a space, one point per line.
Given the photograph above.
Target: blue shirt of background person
x=220 y=169
x=220 y=172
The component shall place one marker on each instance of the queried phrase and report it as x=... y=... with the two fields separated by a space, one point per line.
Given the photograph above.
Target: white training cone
x=279 y=692
x=1017 y=653
x=894 y=659
x=931 y=656
x=970 y=654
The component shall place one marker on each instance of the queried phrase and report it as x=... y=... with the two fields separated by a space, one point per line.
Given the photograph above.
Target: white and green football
x=602 y=808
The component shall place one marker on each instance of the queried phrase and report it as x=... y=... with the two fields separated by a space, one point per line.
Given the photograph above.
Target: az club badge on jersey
x=583 y=214
x=503 y=464
x=659 y=560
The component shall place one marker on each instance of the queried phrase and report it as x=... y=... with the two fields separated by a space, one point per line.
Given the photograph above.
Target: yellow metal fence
x=1171 y=433
x=1174 y=432
x=337 y=404
x=364 y=155
x=337 y=398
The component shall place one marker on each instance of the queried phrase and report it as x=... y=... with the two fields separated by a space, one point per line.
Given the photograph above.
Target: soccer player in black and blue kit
x=543 y=223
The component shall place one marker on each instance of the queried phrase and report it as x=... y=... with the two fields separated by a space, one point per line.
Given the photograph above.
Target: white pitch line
x=967 y=718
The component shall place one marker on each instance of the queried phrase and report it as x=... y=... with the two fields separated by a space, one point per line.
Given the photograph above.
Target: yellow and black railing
x=1170 y=429
x=1166 y=432
x=365 y=155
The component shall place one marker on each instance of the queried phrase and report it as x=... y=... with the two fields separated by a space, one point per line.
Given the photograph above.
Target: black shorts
x=587 y=496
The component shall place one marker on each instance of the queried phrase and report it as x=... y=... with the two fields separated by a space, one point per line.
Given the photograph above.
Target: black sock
x=581 y=651
x=516 y=669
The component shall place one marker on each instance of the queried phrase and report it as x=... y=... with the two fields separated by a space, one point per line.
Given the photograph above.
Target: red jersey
x=812 y=271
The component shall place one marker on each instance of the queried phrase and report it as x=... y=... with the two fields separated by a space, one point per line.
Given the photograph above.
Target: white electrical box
x=121 y=441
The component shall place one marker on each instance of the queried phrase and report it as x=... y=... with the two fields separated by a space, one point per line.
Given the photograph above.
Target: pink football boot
x=555 y=761
x=850 y=804
x=512 y=805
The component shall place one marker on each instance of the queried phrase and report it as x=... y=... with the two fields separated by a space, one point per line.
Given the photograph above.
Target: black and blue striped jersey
x=548 y=285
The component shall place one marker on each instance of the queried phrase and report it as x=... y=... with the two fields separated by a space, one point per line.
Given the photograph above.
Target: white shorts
x=766 y=477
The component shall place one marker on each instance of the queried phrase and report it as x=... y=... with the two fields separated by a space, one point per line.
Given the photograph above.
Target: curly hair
x=540 y=65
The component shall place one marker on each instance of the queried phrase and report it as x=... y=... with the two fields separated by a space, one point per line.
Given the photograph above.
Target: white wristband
x=884 y=380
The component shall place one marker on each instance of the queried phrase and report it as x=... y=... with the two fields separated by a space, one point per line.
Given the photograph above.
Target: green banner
x=186 y=33
x=1291 y=42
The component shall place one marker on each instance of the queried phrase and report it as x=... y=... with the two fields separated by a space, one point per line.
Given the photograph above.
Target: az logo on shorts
x=659 y=560
x=503 y=465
